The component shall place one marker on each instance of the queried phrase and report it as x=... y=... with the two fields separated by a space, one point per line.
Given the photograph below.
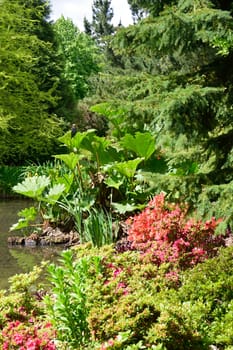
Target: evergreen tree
x=182 y=90
x=101 y=28
x=102 y=15
x=137 y=12
x=87 y=26
x=29 y=82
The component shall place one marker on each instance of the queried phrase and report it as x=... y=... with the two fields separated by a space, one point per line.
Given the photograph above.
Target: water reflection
x=17 y=259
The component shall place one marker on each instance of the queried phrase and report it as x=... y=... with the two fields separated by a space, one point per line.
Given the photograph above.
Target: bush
x=123 y=298
x=165 y=234
x=23 y=323
x=9 y=177
x=134 y=303
x=32 y=335
x=199 y=313
x=209 y=289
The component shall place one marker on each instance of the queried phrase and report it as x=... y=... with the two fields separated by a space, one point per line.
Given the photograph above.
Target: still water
x=17 y=259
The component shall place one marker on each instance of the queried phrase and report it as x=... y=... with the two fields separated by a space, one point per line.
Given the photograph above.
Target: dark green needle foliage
x=177 y=83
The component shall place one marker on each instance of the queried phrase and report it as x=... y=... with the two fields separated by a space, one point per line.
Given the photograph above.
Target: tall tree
x=102 y=15
x=101 y=27
x=29 y=79
x=87 y=26
x=137 y=12
x=80 y=54
x=183 y=92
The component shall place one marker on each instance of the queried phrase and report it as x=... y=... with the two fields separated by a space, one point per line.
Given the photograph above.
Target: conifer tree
x=137 y=12
x=29 y=82
x=101 y=28
x=183 y=92
x=102 y=15
x=87 y=26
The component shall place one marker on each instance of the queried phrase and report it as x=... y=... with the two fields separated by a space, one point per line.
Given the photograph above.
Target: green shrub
x=9 y=177
x=209 y=288
x=134 y=303
x=123 y=298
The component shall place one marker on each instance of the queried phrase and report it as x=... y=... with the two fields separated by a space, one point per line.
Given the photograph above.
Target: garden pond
x=18 y=259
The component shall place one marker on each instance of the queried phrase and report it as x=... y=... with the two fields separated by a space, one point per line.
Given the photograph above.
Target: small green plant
x=98 y=228
x=44 y=193
x=9 y=177
x=67 y=306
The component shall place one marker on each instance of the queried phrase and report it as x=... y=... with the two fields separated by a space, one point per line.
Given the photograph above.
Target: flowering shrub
x=22 y=315
x=122 y=298
x=164 y=233
x=28 y=336
x=136 y=304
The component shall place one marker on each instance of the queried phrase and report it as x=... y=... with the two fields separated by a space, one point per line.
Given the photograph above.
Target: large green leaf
x=97 y=146
x=66 y=180
x=32 y=187
x=115 y=114
x=113 y=181
x=124 y=208
x=26 y=215
x=75 y=142
x=127 y=168
x=54 y=193
x=71 y=159
x=143 y=144
x=22 y=223
x=109 y=111
x=100 y=149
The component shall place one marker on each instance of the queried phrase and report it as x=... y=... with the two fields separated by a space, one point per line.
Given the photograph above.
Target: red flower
x=162 y=232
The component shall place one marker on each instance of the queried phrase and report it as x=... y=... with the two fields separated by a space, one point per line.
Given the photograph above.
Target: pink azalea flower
x=117 y=272
x=31 y=344
x=18 y=339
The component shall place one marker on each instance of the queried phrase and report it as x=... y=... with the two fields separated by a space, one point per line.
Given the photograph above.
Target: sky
x=78 y=9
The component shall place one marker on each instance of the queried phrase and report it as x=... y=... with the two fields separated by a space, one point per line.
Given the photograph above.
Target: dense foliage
x=152 y=197
x=104 y=298
x=29 y=83
x=80 y=57
x=177 y=83
x=44 y=72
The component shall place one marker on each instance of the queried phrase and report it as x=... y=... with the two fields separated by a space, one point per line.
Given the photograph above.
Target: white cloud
x=78 y=9
x=121 y=12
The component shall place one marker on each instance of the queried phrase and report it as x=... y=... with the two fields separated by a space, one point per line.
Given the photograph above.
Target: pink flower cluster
x=107 y=345
x=115 y=272
x=22 y=336
x=163 y=232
